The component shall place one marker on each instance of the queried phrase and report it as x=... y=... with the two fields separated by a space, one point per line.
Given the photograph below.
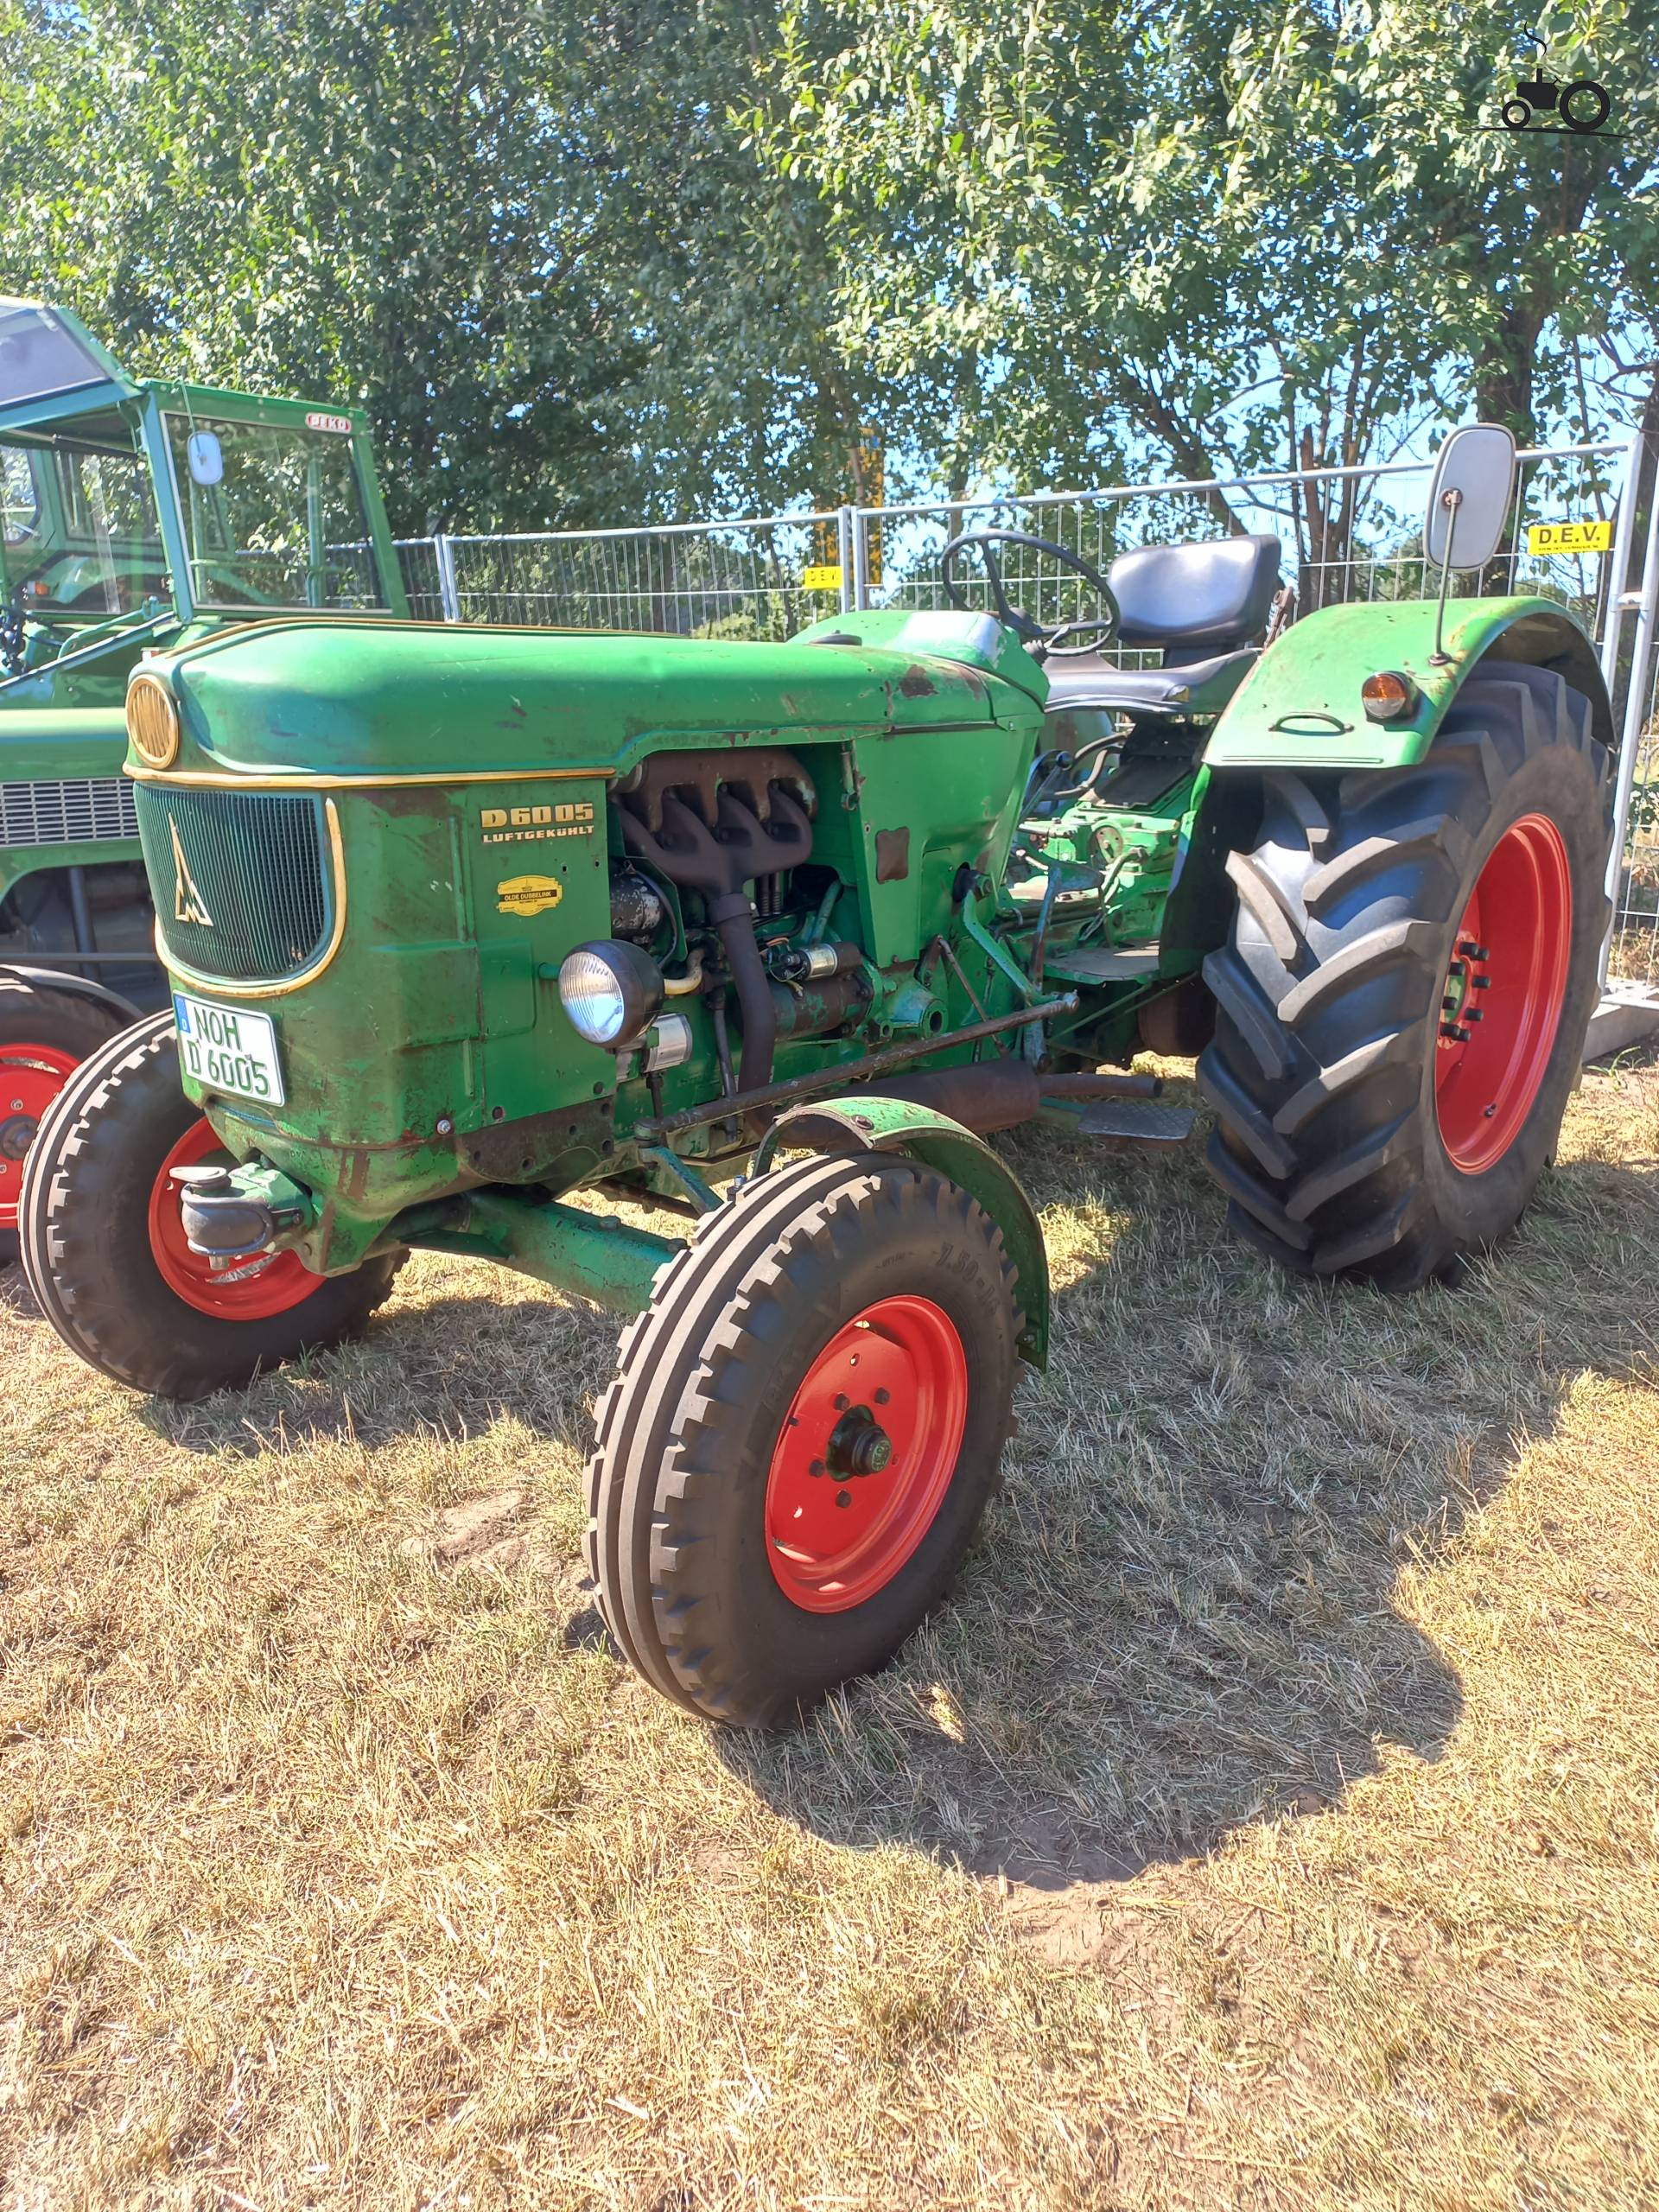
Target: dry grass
x=1270 y=1822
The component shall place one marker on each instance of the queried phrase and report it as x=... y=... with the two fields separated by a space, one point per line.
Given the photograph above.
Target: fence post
x=860 y=558
x=845 y=527
x=449 y=596
x=1635 y=704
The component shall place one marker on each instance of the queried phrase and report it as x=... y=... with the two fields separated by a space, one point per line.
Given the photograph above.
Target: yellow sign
x=1570 y=537
x=528 y=895
x=824 y=577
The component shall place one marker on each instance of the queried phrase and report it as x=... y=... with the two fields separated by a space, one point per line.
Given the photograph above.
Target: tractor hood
x=368 y=700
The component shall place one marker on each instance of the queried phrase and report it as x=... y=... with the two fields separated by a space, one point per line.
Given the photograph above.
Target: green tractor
x=133 y=516
x=465 y=928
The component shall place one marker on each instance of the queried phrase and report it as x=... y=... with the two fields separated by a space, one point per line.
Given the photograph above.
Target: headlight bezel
x=606 y=972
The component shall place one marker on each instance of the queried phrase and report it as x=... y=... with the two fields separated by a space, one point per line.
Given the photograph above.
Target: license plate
x=228 y=1050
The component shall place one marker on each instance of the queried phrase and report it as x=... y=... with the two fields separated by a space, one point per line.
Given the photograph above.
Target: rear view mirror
x=1469 y=498
x=206 y=458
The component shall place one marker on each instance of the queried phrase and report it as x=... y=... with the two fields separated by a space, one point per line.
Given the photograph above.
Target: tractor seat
x=1193 y=687
x=1202 y=604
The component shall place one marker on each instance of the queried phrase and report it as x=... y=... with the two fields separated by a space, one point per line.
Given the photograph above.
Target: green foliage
x=526 y=237
x=590 y=262
x=1234 y=234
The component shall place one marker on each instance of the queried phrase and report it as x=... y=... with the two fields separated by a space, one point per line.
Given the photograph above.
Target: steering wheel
x=1093 y=631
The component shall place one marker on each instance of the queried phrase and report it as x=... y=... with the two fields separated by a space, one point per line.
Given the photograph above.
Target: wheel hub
x=859 y=1445
x=31 y=1076
x=865 y=1454
x=1501 y=1002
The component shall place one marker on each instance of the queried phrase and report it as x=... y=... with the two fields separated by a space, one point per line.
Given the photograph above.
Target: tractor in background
x=132 y=516
x=465 y=930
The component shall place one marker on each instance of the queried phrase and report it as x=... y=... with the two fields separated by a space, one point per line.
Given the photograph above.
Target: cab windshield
x=78 y=531
x=274 y=515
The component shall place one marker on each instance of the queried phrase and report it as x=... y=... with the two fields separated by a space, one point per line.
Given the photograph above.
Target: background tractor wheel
x=802 y=1434
x=44 y=1036
x=1404 y=999
x=104 y=1250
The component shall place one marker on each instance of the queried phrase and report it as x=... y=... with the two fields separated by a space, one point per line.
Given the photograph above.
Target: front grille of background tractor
x=257 y=864
x=83 y=812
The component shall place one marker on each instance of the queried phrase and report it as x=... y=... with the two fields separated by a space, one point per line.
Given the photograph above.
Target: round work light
x=612 y=992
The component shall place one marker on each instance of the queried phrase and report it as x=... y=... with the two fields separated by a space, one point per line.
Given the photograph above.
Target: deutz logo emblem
x=528 y=895
x=188 y=904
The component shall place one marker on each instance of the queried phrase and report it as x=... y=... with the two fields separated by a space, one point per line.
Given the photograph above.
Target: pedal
x=1137 y=1121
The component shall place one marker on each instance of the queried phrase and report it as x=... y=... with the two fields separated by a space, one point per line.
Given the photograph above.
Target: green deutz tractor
x=467 y=926
x=132 y=515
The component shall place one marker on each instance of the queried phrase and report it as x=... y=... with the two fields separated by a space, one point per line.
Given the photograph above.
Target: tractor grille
x=253 y=901
x=81 y=811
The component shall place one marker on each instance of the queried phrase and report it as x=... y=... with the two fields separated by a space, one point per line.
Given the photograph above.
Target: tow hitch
x=232 y=1214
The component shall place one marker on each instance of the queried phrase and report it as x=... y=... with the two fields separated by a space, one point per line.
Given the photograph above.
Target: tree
x=526 y=236
x=1216 y=239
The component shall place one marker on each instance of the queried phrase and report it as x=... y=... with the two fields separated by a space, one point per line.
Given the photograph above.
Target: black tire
x=67 y=1022
x=87 y=1249
x=1595 y=106
x=1516 y=115
x=677 y=1483
x=1322 y=1074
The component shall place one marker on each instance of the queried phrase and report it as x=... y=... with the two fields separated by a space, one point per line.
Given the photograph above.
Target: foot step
x=1137 y=1121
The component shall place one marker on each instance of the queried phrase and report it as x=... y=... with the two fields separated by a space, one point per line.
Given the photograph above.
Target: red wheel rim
x=31 y=1076
x=1501 y=1002
x=865 y=1454
x=253 y=1291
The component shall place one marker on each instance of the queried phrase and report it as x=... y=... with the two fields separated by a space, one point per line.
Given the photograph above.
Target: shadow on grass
x=1185 y=1613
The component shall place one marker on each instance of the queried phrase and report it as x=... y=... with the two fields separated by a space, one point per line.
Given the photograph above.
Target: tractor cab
x=133 y=511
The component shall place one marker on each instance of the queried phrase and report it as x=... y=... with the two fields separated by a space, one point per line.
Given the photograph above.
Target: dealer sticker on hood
x=528 y=895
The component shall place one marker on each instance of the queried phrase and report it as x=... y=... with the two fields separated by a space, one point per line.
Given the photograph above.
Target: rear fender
x=74 y=986
x=1299 y=707
x=860 y=1122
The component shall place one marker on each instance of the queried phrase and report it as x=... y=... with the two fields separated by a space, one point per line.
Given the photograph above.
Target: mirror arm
x=1450 y=501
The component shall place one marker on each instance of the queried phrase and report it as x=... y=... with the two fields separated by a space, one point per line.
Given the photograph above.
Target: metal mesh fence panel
x=745 y=579
x=418 y=557
x=1348 y=535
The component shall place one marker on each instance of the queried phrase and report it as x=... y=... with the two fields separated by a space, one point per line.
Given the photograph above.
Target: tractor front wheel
x=106 y=1253
x=802 y=1435
x=1404 y=999
x=45 y=1034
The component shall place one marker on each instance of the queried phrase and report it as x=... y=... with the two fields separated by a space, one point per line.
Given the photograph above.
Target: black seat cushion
x=1197 y=687
x=1196 y=597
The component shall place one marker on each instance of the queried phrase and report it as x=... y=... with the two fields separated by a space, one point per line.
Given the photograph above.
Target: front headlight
x=612 y=992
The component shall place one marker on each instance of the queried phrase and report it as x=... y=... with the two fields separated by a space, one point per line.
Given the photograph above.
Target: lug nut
x=1482 y=983
x=843 y=1497
x=1471 y=950
x=816 y=1467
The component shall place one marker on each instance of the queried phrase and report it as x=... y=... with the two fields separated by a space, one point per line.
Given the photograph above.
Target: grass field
x=1270 y=1820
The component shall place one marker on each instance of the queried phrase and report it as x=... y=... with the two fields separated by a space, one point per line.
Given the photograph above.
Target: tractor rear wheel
x=1404 y=998
x=45 y=1034
x=802 y=1435
x=106 y=1253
